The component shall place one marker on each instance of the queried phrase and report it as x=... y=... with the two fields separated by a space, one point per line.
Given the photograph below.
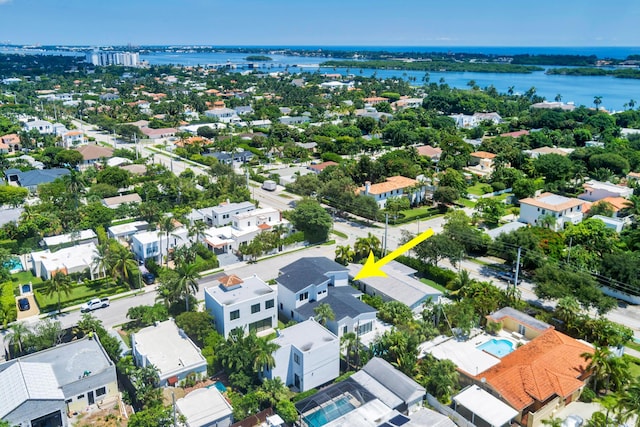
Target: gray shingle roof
x=37 y=177
x=307 y=271
x=390 y=378
x=343 y=303
x=25 y=381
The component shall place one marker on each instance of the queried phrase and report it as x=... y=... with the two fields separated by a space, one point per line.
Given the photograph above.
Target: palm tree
x=122 y=263
x=558 y=98
x=605 y=367
x=167 y=225
x=568 y=309
x=187 y=280
x=17 y=335
x=273 y=391
x=628 y=404
x=597 y=100
x=74 y=184
x=323 y=313
x=364 y=245
x=262 y=353
x=350 y=343
x=59 y=283
x=633 y=206
x=197 y=230
x=632 y=103
x=102 y=258
x=344 y=254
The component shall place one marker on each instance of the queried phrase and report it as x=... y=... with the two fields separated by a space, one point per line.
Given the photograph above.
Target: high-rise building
x=127 y=59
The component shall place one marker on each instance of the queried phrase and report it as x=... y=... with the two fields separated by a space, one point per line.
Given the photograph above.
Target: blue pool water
x=498 y=348
x=14 y=265
x=221 y=388
x=334 y=410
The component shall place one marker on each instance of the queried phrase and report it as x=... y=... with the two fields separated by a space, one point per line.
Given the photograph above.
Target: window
x=101 y=391
x=303 y=296
x=261 y=325
x=296 y=358
x=235 y=314
x=365 y=328
x=268 y=304
x=81 y=396
x=281 y=306
x=255 y=308
x=344 y=329
x=521 y=329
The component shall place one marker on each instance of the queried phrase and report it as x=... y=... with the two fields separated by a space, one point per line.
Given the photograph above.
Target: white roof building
x=74 y=259
x=63 y=239
x=205 y=407
x=168 y=348
x=481 y=404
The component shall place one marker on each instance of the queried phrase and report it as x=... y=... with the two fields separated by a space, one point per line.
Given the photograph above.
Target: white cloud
x=4 y=2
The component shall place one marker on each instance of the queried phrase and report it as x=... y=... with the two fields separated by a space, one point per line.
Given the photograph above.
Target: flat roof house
x=170 y=350
x=72 y=259
x=596 y=190
x=309 y=282
x=42 y=126
x=41 y=388
x=125 y=231
x=247 y=303
x=399 y=285
x=562 y=209
x=483 y=409
x=153 y=243
x=218 y=216
x=308 y=356
x=205 y=407
x=80 y=237
x=116 y=201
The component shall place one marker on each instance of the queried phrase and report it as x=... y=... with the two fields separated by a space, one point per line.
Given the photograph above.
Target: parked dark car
x=148 y=278
x=23 y=304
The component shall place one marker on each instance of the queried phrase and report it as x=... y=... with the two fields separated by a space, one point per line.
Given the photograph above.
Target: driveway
x=33 y=309
x=582 y=409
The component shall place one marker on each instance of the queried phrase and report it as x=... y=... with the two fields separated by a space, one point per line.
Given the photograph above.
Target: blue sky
x=327 y=22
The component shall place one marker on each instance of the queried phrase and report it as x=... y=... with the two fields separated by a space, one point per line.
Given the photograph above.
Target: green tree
x=366 y=245
x=396 y=313
x=262 y=354
x=344 y=254
x=628 y=403
x=122 y=262
x=324 y=313
x=154 y=416
x=167 y=225
x=187 y=281
x=18 y=334
x=60 y=283
x=491 y=210
x=196 y=324
x=312 y=219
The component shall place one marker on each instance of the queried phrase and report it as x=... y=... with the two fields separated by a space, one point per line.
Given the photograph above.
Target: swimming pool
x=498 y=348
x=14 y=265
x=330 y=412
x=221 y=388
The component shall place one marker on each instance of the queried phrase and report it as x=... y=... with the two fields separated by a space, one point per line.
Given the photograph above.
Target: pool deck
x=465 y=354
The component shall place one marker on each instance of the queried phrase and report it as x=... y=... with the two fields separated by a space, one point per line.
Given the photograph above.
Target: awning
x=172 y=380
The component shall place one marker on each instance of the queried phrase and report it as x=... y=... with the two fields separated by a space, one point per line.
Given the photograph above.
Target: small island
x=258 y=58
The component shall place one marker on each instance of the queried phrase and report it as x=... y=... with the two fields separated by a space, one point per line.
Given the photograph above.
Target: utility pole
x=569 y=251
x=386 y=227
x=515 y=279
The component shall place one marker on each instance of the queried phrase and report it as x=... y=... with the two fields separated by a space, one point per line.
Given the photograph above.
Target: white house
x=73 y=259
x=221 y=215
x=308 y=356
x=42 y=126
x=125 y=231
x=562 y=209
x=308 y=282
x=170 y=350
x=597 y=190
x=244 y=227
x=247 y=303
x=73 y=138
x=205 y=407
x=394 y=186
x=82 y=236
x=399 y=285
x=223 y=115
x=153 y=244
x=40 y=389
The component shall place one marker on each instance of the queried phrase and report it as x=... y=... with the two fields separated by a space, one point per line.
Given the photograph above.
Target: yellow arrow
x=372 y=268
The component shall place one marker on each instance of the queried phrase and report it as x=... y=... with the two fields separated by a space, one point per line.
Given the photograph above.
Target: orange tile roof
x=617 y=202
x=537 y=202
x=11 y=138
x=393 y=183
x=550 y=365
x=516 y=134
x=93 y=152
x=483 y=155
x=429 y=151
x=321 y=166
x=230 y=280
x=264 y=226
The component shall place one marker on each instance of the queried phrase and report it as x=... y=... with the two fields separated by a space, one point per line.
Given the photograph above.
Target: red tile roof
x=550 y=365
x=483 y=155
x=516 y=134
x=321 y=166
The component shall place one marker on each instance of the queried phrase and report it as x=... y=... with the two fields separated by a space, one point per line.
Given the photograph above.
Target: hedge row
x=8 y=309
x=439 y=275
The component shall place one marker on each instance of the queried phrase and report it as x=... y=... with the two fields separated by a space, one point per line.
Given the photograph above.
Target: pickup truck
x=94 y=304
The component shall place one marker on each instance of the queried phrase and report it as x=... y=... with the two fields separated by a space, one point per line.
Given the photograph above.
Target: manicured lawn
x=634 y=366
x=477 y=189
x=340 y=234
x=634 y=345
x=422 y=212
x=80 y=293
x=466 y=202
x=25 y=277
x=434 y=285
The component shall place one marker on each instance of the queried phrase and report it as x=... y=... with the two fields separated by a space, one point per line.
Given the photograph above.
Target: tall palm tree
x=323 y=313
x=273 y=391
x=58 y=284
x=102 y=258
x=167 y=225
x=606 y=368
x=122 y=263
x=628 y=404
x=17 y=335
x=197 y=230
x=597 y=100
x=75 y=185
x=364 y=245
x=187 y=280
x=262 y=353
x=350 y=343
